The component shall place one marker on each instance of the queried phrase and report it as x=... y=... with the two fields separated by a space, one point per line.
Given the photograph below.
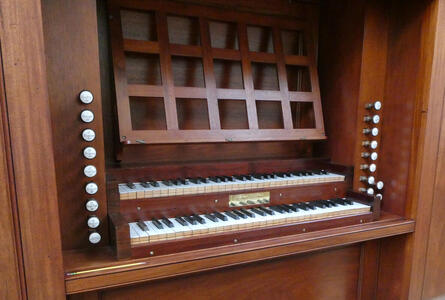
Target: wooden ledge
x=92 y=270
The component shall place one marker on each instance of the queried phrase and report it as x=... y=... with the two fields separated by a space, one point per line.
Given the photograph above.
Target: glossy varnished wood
x=287 y=278
x=73 y=66
x=11 y=258
x=25 y=81
x=99 y=275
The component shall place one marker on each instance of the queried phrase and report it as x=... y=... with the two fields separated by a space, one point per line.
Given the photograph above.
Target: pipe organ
x=203 y=146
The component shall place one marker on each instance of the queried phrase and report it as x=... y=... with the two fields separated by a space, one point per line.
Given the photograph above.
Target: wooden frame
x=169 y=92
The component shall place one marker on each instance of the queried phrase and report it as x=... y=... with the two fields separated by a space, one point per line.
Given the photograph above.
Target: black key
x=348 y=201
x=290 y=207
x=145 y=184
x=258 y=176
x=211 y=217
x=220 y=216
x=175 y=182
x=258 y=211
x=232 y=215
x=280 y=175
x=284 y=208
x=181 y=221
x=319 y=204
x=167 y=182
x=167 y=222
x=215 y=179
x=190 y=220
x=277 y=209
x=247 y=213
x=332 y=203
x=142 y=225
x=249 y=177
x=301 y=206
x=130 y=185
x=154 y=183
x=324 y=172
x=268 y=176
x=157 y=224
x=327 y=203
x=238 y=213
x=199 y=219
x=339 y=201
x=267 y=211
x=240 y=177
x=203 y=180
x=193 y=180
x=310 y=205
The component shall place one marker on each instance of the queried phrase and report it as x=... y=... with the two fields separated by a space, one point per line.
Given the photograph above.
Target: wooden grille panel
x=207 y=56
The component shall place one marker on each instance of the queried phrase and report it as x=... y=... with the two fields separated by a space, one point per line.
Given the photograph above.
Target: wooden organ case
x=237 y=149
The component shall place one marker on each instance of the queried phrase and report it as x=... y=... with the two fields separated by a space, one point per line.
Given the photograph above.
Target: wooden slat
x=268 y=95
x=236 y=135
x=228 y=54
x=212 y=100
x=185 y=50
x=119 y=72
x=302 y=96
x=282 y=80
x=145 y=90
x=141 y=46
x=296 y=60
x=235 y=94
x=166 y=72
x=247 y=76
x=170 y=7
x=263 y=57
x=190 y=92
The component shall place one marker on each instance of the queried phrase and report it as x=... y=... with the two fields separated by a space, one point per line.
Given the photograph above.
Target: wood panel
x=341 y=36
x=434 y=278
x=428 y=205
x=73 y=66
x=32 y=152
x=325 y=275
x=11 y=259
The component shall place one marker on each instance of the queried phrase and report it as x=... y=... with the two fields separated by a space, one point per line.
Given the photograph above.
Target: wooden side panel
x=434 y=280
x=341 y=37
x=325 y=275
x=70 y=29
x=11 y=261
x=32 y=152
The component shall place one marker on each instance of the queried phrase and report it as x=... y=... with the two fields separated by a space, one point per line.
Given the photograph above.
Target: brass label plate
x=249 y=199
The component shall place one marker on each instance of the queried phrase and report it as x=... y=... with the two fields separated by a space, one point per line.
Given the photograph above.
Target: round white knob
x=380 y=185
x=89 y=152
x=91 y=188
x=88 y=135
x=93 y=222
x=92 y=205
x=372 y=167
x=86 y=97
x=377 y=105
x=374 y=145
x=370 y=191
x=379 y=196
x=87 y=116
x=90 y=171
x=375 y=131
x=374 y=156
x=376 y=119
x=371 y=180
x=94 y=238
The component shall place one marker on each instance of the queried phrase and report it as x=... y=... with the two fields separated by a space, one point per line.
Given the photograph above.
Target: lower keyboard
x=146 y=232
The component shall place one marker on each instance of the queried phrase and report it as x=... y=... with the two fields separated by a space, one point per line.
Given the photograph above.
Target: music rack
x=188 y=74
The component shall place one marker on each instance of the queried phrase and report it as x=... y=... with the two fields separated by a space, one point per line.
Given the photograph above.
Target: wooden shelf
x=87 y=270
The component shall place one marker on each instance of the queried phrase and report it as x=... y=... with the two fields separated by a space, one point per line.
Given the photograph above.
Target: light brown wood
x=33 y=161
x=11 y=258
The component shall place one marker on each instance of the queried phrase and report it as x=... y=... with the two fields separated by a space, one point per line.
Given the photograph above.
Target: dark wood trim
x=33 y=161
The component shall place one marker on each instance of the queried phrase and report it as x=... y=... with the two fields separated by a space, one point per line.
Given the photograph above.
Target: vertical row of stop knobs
x=368 y=167
x=89 y=169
